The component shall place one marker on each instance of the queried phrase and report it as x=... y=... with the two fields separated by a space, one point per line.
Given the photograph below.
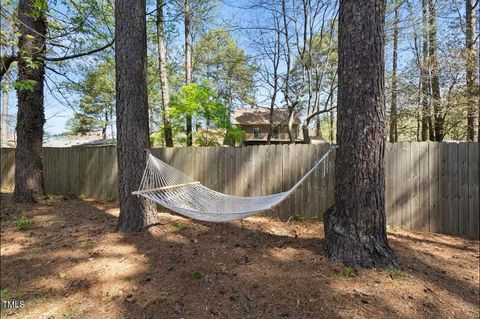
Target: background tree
x=162 y=62
x=97 y=103
x=219 y=60
x=393 y=105
x=132 y=111
x=355 y=230
x=471 y=57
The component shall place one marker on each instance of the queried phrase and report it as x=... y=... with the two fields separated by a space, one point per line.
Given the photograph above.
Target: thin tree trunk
x=188 y=65
x=355 y=229
x=31 y=113
x=432 y=55
x=4 y=121
x=427 y=129
x=162 y=62
x=331 y=127
x=276 y=63
x=471 y=67
x=132 y=112
x=291 y=106
x=393 y=109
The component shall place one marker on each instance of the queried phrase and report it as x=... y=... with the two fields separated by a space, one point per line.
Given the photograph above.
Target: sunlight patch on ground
x=10 y=249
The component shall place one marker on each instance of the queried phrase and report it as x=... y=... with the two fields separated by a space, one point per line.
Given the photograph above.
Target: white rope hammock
x=180 y=193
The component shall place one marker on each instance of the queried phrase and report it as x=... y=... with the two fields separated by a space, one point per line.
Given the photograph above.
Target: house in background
x=256 y=124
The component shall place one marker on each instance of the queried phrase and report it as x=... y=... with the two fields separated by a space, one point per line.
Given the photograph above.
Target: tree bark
x=6 y=61
x=162 y=61
x=471 y=67
x=4 y=120
x=29 y=182
x=132 y=112
x=276 y=63
x=393 y=104
x=188 y=65
x=427 y=128
x=355 y=230
x=432 y=55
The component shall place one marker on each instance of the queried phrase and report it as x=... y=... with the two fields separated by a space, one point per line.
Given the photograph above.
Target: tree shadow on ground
x=72 y=260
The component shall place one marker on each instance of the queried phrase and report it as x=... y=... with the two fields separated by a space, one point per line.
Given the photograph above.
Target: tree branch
x=78 y=55
x=7 y=60
x=311 y=116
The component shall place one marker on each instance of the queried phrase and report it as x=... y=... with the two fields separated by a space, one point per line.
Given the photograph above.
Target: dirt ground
x=68 y=262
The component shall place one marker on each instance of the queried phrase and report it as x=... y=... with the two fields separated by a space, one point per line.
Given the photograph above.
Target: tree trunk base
x=354 y=248
x=133 y=220
x=23 y=197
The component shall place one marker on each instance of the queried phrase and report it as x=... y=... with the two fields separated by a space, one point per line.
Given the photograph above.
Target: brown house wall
x=282 y=135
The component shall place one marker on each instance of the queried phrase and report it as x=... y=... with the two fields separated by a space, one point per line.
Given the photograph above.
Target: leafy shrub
x=24 y=223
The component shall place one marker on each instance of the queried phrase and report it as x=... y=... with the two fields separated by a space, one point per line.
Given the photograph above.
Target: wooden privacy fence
x=429 y=186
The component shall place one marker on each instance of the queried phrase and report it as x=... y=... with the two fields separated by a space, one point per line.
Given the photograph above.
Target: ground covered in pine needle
x=63 y=258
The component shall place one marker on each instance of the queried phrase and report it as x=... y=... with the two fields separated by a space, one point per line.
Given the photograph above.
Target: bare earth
x=70 y=263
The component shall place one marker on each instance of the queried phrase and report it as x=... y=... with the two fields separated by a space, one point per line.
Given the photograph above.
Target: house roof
x=261 y=116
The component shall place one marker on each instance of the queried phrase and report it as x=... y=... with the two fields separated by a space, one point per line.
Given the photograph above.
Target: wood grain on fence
x=429 y=186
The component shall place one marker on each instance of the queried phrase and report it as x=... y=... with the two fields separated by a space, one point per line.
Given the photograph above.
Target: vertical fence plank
x=453 y=188
x=404 y=187
x=443 y=188
x=463 y=189
x=389 y=183
x=424 y=189
x=397 y=221
x=473 y=190
x=433 y=181
x=414 y=202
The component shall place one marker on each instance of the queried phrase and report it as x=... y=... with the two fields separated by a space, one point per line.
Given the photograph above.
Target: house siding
x=264 y=129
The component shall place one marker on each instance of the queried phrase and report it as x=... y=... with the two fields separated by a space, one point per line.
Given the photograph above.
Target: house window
x=275 y=133
x=256 y=132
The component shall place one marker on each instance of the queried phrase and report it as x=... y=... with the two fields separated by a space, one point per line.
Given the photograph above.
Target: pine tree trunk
x=31 y=115
x=355 y=230
x=4 y=120
x=188 y=65
x=393 y=109
x=471 y=67
x=162 y=61
x=432 y=55
x=427 y=129
x=132 y=112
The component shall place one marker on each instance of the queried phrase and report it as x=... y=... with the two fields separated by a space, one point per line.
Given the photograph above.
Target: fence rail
x=429 y=186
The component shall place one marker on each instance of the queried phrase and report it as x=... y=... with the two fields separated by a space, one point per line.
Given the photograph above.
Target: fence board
x=429 y=186
x=433 y=182
x=453 y=189
x=414 y=214
x=463 y=189
x=473 y=190
x=424 y=189
x=443 y=188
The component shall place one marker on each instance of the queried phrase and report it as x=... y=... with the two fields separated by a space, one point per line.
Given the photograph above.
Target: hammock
x=183 y=195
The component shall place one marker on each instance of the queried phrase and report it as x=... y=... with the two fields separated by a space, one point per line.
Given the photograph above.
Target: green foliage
x=97 y=102
x=179 y=226
x=4 y=294
x=218 y=59
x=24 y=223
x=26 y=85
x=196 y=274
x=201 y=103
x=234 y=136
x=348 y=272
x=209 y=137
x=397 y=274
x=70 y=313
